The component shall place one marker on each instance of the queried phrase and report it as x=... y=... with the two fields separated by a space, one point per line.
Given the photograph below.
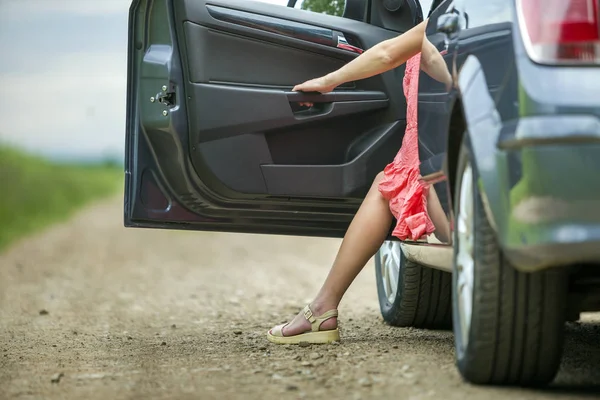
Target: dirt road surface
x=91 y=310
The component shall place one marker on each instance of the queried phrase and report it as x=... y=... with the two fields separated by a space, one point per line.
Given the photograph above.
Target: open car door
x=217 y=140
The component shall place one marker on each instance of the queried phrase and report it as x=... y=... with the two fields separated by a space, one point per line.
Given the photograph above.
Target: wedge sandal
x=315 y=336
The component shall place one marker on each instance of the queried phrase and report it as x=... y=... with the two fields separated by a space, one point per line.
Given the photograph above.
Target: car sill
x=432 y=256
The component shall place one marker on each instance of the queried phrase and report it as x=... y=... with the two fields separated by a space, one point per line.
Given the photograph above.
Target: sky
x=63 y=75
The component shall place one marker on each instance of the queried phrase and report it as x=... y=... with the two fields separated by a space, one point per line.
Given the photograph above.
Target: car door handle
x=448 y=23
x=335 y=96
x=336 y=103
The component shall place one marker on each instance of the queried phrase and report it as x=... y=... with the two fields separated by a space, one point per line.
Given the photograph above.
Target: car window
x=331 y=7
x=432 y=6
x=336 y=7
x=494 y=12
x=426 y=5
x=438 y=7
x=276 y=2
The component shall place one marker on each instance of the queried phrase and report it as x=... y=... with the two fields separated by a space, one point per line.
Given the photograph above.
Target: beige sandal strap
x=309 y=315
x=316 y=322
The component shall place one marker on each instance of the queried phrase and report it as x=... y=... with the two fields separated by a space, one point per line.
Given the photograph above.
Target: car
x=216 y=140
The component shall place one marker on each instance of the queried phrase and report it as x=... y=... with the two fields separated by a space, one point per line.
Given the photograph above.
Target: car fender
x=483 y=126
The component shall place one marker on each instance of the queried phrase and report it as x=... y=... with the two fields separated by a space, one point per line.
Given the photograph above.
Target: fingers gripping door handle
x=310 y=104
x=336 y=101
x=335 y=96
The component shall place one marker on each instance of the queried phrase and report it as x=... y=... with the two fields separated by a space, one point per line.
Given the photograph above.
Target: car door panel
x=216 y=139
x=345 y=180
x=435 y=100
x=435 y=96
x=226 y=110
x=223 y=57
x=286 y=27
x=285 y=173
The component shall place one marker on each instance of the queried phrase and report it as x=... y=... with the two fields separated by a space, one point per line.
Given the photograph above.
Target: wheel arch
x=456 y=131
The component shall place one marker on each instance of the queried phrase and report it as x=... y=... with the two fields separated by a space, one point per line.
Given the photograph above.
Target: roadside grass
x=35 y=193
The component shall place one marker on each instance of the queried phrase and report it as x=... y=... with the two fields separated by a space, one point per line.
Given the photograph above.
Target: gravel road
x=91 y=310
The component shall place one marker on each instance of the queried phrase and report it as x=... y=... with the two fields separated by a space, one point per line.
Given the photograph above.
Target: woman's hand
x=321 y=85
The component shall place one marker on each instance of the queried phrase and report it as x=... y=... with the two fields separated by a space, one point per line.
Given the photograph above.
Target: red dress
x=402 y=185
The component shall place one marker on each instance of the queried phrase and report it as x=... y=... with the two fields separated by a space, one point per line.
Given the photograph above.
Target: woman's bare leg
x=366 y=233
x=438 y=216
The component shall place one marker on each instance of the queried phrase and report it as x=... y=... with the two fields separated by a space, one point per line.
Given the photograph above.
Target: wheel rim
x=465 y=262
x=389 y=257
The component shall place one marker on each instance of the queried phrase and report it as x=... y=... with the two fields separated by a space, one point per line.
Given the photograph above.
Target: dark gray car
x=216 y=140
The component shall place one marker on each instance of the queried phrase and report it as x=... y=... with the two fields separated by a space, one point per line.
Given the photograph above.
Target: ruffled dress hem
x=402 y=185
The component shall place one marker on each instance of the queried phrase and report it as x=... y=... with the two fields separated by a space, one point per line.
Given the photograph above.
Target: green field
x=35 y=193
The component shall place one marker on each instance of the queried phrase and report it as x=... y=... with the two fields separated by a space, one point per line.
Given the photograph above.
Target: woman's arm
x=380 y=58
x=433 y=64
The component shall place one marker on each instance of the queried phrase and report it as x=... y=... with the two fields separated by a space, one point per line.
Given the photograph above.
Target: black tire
x=517 y=325
x=423 y=297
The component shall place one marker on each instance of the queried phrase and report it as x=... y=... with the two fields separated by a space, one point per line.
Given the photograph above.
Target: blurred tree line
x=331 y=7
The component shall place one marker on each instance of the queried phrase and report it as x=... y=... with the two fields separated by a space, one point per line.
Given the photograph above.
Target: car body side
x=535 y=134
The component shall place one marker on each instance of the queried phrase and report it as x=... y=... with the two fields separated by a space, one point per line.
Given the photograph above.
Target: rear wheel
x=508 y=325
x=411 y=295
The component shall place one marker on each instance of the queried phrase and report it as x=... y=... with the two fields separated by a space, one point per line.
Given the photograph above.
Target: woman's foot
x=310 y=325
x=300 y=324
